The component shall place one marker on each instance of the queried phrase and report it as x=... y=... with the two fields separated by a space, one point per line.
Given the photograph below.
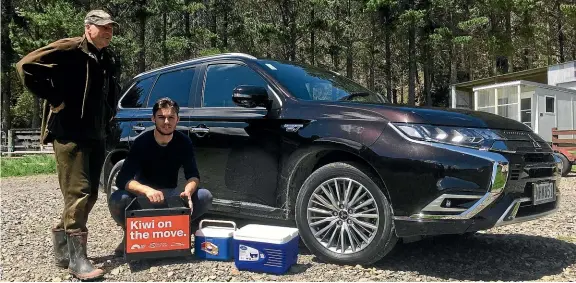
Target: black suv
x=290 y=141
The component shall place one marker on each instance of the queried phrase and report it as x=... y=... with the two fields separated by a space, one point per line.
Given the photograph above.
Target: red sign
x=158 y=233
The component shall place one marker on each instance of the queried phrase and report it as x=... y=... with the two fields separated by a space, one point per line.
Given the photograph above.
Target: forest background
x=408 y=50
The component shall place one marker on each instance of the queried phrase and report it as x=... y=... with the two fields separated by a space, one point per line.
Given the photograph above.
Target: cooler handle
x=217 y=221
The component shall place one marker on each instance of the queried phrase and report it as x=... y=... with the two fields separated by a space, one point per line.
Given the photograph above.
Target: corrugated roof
x=539 y=75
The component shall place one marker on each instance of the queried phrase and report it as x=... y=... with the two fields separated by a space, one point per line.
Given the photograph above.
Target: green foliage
x=467 y=36
x=27 y=165
x=22 y=110
x=473 y=24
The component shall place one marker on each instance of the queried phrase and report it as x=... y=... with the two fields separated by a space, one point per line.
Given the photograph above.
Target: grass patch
x=27 y=165
x=567 y=239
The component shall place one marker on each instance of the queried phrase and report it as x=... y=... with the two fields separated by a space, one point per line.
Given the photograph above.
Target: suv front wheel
x=343 y=216
x=111 y=182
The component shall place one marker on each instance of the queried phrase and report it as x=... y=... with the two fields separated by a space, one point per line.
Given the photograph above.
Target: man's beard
x=160 y=131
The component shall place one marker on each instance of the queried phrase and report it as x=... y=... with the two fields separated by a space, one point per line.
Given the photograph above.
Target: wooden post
x=10 y=143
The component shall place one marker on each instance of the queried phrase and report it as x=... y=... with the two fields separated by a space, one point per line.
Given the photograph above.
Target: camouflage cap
x=99 y=18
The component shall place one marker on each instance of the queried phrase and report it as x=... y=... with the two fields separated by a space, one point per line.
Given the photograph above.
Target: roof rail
x=238 y=54
x=195 y=60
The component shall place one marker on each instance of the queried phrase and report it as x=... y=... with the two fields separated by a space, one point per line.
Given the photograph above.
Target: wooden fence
x=23 y=141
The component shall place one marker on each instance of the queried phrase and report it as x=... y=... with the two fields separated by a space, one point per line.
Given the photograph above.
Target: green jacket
x=73 y=71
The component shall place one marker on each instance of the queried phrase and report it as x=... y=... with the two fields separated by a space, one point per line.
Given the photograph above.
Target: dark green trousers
x=79 y=166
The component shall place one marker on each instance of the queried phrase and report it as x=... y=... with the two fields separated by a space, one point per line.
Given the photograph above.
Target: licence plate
x=543 y=193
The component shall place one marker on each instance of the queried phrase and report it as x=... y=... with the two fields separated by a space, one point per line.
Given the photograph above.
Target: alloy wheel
x=342 y=215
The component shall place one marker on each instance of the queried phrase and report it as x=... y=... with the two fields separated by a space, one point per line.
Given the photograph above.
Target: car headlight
x=470 y=137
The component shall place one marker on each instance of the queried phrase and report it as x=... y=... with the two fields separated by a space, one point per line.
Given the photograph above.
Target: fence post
x=10 y=143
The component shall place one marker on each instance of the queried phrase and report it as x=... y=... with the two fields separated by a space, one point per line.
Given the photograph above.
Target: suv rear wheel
x=343 y=216
x=566 y=166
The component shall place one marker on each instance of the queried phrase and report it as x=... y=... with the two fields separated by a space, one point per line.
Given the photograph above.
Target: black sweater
x=157 y=166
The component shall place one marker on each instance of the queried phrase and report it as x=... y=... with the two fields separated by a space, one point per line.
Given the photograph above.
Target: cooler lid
x=215 y=231
x=266 y=234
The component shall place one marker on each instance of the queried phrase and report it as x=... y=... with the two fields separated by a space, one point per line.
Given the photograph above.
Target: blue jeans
x=120 y=199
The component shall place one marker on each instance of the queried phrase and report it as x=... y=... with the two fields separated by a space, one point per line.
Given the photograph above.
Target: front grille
x=538 y=158
x=515 y=171
x=527 y=146
x=539 y=172
x=527 y=208
x=524 y=142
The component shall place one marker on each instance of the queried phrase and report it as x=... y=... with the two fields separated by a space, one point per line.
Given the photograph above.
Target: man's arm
x=190 y=170
x=36 y=71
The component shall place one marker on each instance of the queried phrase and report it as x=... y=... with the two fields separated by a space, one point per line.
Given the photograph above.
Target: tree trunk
x=187 y=34
x=293 y=31
x=7 y=58
x=561 y=37
x=213 y=25
x=225 y=26
x=549 y=16
x=164 y=31
x=142 y=37
x=371 y=50
x=312 y=37
x=428 y=67
x=336 y=45
x=349 y=58
x=36 y=117
x=508 y=59
x=412 y=64
x=388 y=65
x=453 y=65
x=526 y=54
x=288 y=12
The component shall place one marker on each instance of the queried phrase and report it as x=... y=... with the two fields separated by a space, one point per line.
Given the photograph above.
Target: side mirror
x=250 y=96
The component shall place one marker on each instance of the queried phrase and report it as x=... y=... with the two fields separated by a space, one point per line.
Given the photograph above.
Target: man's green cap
x=99 y=18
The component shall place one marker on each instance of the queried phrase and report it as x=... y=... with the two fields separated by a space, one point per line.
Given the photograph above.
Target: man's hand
x=57 y=109
x=155 y=196
x=188 y=195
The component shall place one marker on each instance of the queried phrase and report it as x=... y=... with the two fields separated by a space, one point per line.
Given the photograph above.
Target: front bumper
x=507 y=200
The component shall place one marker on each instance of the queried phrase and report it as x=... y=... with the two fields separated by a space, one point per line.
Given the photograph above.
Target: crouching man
x=151 y=168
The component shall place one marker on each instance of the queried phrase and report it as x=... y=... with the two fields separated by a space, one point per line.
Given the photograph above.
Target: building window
x=550 y=102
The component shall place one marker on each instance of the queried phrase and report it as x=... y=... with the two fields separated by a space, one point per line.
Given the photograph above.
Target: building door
x=546 y=116
x=526 y=111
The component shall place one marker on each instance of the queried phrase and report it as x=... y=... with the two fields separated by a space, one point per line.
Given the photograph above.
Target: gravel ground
x=542 y=250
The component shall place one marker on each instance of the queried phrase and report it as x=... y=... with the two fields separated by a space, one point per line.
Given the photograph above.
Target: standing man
x=76 y=77
x=152 y=165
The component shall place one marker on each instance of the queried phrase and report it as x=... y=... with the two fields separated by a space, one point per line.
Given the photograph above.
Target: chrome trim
x=436 y=205
x=512 y=210
x=498 y=180
x=183 y=63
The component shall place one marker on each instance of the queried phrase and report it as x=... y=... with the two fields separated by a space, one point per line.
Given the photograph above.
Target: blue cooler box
x=270 y=249
x=214 y=242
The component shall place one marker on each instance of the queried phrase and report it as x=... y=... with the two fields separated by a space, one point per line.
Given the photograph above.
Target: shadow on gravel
x=571 y=174
x=146 y=264
x=482 y=257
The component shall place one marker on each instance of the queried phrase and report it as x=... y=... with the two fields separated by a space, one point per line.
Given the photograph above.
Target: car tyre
x=381 y=240
x=566 y=166
x=111 y=182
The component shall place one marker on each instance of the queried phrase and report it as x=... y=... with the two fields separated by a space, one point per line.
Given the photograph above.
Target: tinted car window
x=312 y=83
x=137 y=94
x=221 y=80
x=175 y=85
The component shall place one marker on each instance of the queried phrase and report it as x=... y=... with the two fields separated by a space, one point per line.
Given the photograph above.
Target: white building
x=542 y=98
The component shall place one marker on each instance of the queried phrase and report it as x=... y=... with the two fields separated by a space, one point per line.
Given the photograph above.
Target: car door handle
x=199 y=131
